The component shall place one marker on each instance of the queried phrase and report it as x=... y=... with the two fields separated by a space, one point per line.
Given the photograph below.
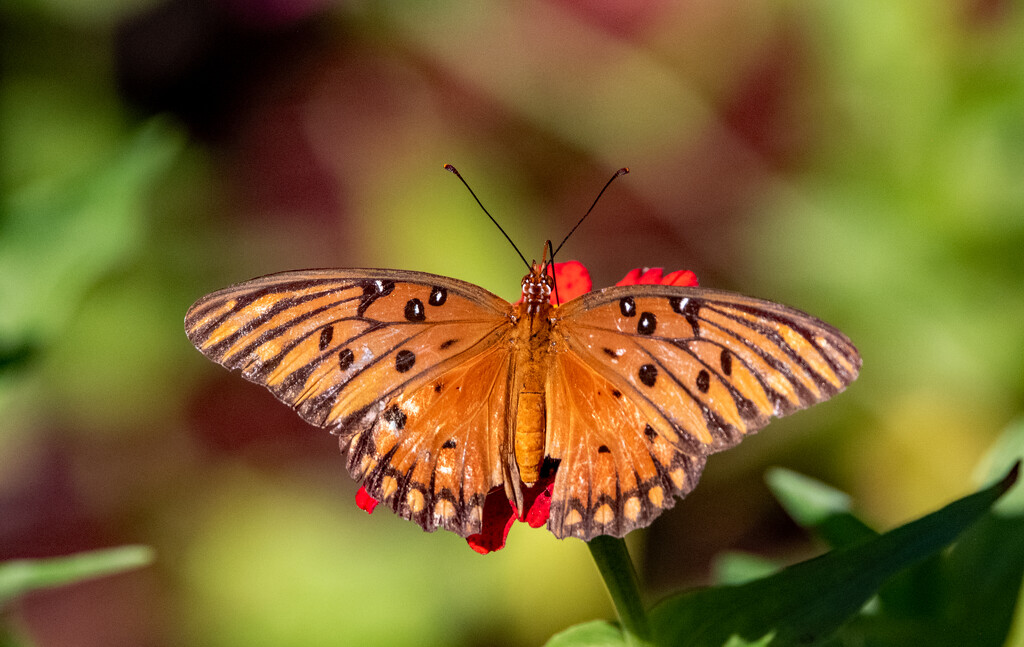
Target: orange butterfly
x=442 y=393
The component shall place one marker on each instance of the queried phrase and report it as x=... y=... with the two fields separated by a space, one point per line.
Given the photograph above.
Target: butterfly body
x=441 y=392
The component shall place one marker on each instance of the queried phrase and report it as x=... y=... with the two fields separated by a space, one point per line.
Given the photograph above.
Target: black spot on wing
x=726 y=362
x=414 y=311
x=647 y=324
x=648 y=374
x=438 y=296
x=373 y=290
x=404 y=360
x=326 y=335
x=627 y=306
x=345 y=358
x=703 y=381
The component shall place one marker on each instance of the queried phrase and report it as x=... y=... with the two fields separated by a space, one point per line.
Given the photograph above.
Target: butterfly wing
x=388 y=360
x=655 y=378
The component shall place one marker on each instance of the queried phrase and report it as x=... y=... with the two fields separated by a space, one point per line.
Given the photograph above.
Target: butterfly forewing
x=389 y=360
x=670 y=375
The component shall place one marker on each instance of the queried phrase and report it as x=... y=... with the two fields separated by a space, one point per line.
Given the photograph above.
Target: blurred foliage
x=18 y=577
x=924 y=597
x=860 y=160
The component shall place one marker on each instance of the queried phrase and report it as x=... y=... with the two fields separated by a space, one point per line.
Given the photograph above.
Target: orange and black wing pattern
x=655 y=378
x=389 y=361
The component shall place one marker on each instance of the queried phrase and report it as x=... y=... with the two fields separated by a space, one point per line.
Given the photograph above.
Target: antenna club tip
x=451 y=169
x=622 y=171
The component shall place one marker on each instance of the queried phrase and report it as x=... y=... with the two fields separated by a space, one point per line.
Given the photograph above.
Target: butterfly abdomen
x=529 y=436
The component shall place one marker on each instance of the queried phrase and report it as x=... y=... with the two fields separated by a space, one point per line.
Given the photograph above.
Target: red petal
x=538 y=503
x=680 y=277
x=365 y=501
x=572 y=279
x=653 y=276
x=632 y=277
x=499 y=515
x=650 y=276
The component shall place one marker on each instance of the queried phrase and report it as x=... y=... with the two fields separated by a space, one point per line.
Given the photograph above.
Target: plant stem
x=616 y=568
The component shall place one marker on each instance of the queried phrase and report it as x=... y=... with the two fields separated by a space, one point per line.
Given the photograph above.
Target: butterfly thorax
x=536 y=289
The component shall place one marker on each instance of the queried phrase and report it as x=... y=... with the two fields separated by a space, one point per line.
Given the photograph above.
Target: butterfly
x=441 y=392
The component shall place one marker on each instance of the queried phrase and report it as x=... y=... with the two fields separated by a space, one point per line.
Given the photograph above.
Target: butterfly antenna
x=621 y=171
x=454 y=171
x=554 y=277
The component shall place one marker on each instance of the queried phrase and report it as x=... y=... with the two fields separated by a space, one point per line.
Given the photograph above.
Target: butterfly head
x=537 y=288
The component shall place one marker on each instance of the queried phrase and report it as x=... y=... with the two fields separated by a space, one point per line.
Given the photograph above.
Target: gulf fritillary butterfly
x=441 y=392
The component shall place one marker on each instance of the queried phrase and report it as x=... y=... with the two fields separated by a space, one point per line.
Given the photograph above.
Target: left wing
x=405 y=367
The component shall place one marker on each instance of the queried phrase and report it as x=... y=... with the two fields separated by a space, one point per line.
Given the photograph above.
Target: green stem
x=612 y=559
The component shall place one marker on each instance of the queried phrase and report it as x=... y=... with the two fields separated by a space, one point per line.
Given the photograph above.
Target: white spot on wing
x=410 y=407
x=367 y=355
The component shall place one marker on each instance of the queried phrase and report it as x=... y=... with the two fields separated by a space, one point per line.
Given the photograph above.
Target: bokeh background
x=859 y=159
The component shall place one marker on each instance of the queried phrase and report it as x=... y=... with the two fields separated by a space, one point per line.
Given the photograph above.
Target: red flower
x=573 y=280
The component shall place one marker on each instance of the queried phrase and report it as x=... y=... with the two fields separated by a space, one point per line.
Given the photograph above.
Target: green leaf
x=1006 y=451
x=818 y=507
x=964 y=596
x=826 y=511
x=21 y=576
x=740 y=568
x=806 y=603
x=736 y=641
x=597 y=633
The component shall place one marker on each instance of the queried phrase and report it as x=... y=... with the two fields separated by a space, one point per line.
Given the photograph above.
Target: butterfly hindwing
x=615 y=473
x=672 y=374
x=435 y=451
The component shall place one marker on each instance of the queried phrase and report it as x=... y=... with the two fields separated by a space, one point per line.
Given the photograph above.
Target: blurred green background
x=862 y=160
